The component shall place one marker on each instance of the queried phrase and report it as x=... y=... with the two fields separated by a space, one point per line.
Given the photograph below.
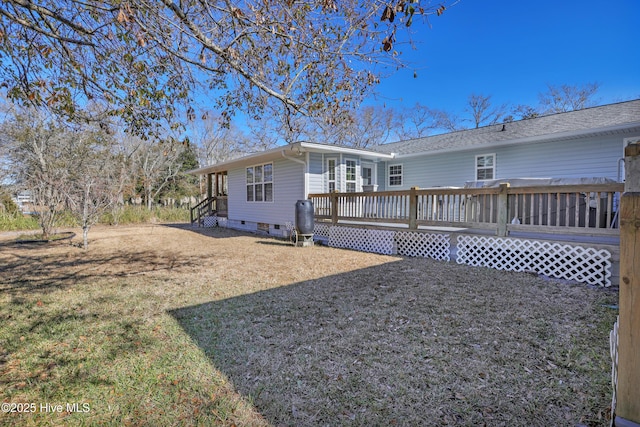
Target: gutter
x=306 y=169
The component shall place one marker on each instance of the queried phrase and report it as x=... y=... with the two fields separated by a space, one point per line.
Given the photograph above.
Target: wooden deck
x=583 y=210
x=571 y=217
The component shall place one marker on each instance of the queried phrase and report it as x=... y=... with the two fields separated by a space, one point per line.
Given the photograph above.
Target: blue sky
x=511 y=49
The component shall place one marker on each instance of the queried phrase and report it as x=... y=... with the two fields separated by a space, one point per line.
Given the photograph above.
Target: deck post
x=209 y=186
x=628 y=390
x=334 y=207
x=413 y=208
x=503 y=210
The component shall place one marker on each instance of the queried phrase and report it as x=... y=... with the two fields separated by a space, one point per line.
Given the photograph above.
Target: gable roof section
x=291 y=151
x=574 y=124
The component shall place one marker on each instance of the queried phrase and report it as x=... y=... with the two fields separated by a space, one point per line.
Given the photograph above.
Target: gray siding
x=316 y=173
x=593 y=157
x=288 y=187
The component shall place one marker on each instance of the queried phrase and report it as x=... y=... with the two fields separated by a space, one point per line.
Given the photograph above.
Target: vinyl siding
x=288 y=187
x=317 y=180
x=592 y=157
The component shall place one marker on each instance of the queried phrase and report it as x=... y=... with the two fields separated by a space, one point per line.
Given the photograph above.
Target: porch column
x=628 y=390
x=209 y=186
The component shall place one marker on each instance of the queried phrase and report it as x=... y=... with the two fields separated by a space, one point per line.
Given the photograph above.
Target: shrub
x=17 y=221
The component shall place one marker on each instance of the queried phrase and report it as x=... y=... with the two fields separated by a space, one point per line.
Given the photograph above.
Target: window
x=395 y=175
x=367 y=175
x=351 y=176
x=260 y=183
x=331 y=175
x=485 y=167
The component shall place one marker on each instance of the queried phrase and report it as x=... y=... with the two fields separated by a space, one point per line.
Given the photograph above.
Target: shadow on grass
x=214 y=232
x=43 y=268
x=412 y=342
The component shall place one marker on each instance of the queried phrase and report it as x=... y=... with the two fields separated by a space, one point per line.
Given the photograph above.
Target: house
x=258 y=192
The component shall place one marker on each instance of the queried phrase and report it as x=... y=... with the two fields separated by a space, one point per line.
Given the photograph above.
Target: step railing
x=210 y=206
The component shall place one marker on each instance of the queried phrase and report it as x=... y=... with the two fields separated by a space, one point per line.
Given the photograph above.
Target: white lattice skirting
x=429 y=245
x=321 y=230
x=214 y=221
x=389 y=242
x=210 y=221
x=362 y=239
x=561 y=261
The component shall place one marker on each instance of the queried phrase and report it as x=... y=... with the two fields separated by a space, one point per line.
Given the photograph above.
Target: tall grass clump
x=122 y=215
x=129 y=214
x=172 y=214
x=17 y=221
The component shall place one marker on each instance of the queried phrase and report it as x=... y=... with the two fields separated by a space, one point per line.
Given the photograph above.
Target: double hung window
x=260 y=183
x=485 y=167
x=395 y=175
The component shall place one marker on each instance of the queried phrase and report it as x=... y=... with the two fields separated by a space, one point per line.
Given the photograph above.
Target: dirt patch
x=322 y=336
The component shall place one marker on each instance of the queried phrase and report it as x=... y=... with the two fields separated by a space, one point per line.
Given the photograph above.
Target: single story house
x=258 y=192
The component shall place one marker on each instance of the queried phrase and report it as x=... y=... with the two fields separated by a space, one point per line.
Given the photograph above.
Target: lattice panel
x=429 y=245
x=321 y=230
x=613 y=347
x=585 y=265
x=366 y=240
x=210 y=221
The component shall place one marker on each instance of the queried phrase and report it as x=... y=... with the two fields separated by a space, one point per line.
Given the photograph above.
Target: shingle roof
x=561 y=125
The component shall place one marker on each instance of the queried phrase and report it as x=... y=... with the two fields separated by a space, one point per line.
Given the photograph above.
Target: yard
x=168 y=325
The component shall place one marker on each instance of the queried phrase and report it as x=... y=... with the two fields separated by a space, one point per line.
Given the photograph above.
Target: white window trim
x=401 y=175
x=493 y=168
x=272 y=182
x=355 y=174
x=336 y=172
x=365 y=165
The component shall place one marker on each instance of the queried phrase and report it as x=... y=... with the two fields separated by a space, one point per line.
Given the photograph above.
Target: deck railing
x=209 y=206
x=578 y=209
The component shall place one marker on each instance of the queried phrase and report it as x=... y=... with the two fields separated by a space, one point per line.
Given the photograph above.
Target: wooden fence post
x=503 y=210
x=628 y=390
x=413 y=208
x=334 y=207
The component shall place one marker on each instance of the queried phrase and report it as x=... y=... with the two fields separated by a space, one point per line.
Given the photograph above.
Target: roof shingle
x=561 y=125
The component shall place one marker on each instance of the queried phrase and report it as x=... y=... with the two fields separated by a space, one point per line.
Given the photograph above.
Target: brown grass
x=160 y=325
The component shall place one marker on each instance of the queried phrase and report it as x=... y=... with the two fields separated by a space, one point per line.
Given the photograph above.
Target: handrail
x=585 y=208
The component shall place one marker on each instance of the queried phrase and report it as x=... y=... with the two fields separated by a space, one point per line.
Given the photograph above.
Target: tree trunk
x=85 y=237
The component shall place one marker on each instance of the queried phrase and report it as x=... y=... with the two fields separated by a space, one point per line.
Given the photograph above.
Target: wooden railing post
x=209 y=186
x=503 y=210
x=413 y=208
x=628 y=390
x=334 y=207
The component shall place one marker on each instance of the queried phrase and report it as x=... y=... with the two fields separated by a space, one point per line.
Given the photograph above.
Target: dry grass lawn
x=168 y=325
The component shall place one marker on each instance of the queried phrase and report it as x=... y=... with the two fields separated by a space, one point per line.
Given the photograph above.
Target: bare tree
x=420 y=121
x=93 y=181
x=563 y=98
x=61 y=167
x=523 y=112
x=482 y=111
x=156 y=165
x=364 y=127
x=38 y=153
x=216 y=141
